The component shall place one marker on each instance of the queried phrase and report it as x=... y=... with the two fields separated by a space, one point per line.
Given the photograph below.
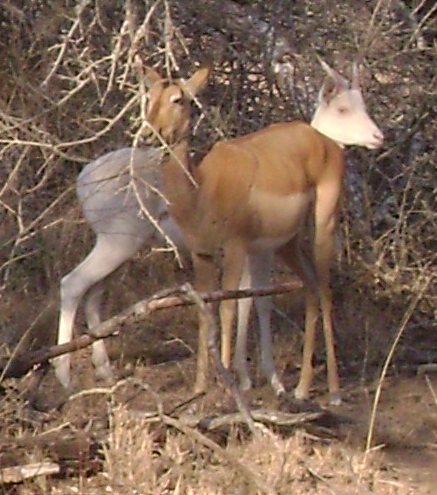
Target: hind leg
x=293 y=256
x=107 y=255
x=100 y=357
x=261 y=264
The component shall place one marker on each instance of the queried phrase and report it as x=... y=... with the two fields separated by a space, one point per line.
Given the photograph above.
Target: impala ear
x=146 y=74
x=195 y=83
x=333 y=85
x=151 y=77
x=334 y=75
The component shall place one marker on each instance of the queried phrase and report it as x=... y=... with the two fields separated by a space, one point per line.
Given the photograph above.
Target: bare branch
x=140 y=311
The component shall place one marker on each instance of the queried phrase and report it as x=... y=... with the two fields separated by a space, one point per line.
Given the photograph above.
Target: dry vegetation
x=70 y=92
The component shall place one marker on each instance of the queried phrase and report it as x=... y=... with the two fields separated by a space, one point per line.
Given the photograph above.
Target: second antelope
x=253 y=198
x=121 y=200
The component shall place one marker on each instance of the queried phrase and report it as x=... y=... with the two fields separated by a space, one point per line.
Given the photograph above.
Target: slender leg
x=205 y=281
x=325 y=221
x=244 y=308
x=333 y=380
x=70 y=300
x=317 y=289
x=107 y=255
x=100 y=357
x=324 y=250
x=261 y=264
x=302 y=390
x=293 y=256
x=234 y=258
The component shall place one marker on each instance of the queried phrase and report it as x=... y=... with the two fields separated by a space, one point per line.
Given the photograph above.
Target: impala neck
x=318 y=126
x=180 y=187
x=177 y=154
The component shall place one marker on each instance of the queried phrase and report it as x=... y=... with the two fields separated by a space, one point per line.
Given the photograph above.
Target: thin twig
x=406 y=318
x=80 y=8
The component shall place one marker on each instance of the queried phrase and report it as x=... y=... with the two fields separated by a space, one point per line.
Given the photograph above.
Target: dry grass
x=137 y=460
x=131 y=456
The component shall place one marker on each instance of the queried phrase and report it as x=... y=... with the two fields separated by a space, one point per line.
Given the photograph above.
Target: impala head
x=168 y=112
x=341 y=112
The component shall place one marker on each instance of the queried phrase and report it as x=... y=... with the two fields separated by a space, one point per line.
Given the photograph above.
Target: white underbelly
x=270 y=243
x=279 y=217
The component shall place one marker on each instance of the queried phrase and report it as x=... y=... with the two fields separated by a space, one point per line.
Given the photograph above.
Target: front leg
x=234 y=258
x=243 y=314
x=325 y=222
x=205 y=281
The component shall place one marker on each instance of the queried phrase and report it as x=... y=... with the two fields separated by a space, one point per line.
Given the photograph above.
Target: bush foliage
x=71 y=91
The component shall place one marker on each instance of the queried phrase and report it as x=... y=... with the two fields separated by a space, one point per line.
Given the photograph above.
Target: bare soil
x=161 y=354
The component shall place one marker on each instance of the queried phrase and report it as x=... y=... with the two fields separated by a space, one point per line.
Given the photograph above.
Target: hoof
x=277 y=386
x=245 y=384
x=335 y=399
x=300 y=394
x=200 y=387
x=106 y=374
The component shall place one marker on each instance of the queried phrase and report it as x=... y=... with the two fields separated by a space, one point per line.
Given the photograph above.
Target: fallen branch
x=276 y=418
x=423 y=369
x=264 y=416
x=22 y=363
x=17 y=474
x=254 y=480
x=71 y=448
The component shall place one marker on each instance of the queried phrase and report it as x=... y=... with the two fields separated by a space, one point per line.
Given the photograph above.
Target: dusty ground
x=160 y=353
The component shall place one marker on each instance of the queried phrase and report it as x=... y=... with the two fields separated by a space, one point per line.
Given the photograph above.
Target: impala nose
x=378 y=139
x=379 y=136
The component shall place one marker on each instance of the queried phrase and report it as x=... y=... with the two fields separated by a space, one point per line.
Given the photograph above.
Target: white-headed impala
x=114 y=191
x=255 y=193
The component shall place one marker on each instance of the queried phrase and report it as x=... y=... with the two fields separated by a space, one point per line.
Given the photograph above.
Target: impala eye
x=176 y=97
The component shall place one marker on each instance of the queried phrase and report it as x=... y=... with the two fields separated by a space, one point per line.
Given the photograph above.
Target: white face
x=342 y=116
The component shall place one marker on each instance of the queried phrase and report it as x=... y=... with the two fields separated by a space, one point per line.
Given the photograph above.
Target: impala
x=249 y=198
x=120 y=197
x=252 y=197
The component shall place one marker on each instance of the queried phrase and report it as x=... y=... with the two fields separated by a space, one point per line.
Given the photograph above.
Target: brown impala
x=254 y=194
